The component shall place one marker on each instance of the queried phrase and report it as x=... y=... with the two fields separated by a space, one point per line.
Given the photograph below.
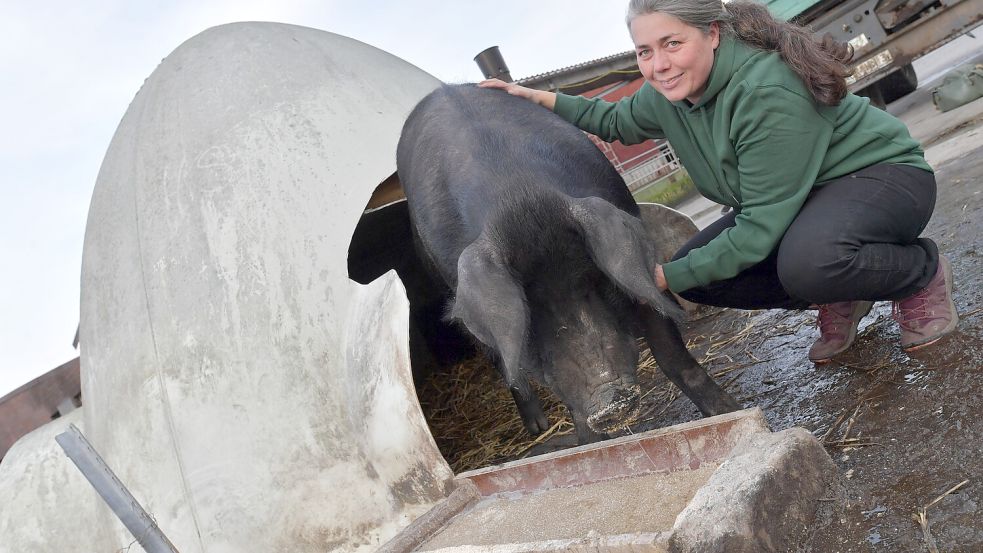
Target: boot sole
x=849 y=341
x=947 y=274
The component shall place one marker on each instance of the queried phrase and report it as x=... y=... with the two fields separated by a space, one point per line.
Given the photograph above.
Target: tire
x=900 y=83
x=874 y=93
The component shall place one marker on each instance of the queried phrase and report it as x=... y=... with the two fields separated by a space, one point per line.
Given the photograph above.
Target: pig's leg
x=531 y=411
x=679 y=366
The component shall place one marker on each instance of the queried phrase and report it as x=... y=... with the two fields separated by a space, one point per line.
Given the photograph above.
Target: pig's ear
x=620 y=246
x=492 y=305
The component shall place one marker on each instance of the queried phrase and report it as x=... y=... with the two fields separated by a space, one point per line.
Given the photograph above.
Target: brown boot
x=929 y=314
x=837 y=324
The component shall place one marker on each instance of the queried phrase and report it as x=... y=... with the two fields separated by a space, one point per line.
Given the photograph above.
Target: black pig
x=539 y=241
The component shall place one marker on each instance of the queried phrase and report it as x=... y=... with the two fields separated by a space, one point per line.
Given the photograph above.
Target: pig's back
x=467 y=153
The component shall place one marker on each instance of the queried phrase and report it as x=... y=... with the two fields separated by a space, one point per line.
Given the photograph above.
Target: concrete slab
x=723 y=483
x=763 y=497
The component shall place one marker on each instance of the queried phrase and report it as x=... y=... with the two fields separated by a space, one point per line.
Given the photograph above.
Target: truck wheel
x=874 y=93
x=898 y=84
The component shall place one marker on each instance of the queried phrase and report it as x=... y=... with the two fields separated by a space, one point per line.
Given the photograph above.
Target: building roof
x=587 y=75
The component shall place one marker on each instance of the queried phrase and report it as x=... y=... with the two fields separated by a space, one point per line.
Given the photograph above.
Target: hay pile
x=475 y=423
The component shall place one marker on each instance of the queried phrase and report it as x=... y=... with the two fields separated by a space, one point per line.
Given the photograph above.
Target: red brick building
x=39 y=401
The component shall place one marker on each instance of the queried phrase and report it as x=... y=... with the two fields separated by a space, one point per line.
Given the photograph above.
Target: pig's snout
x=615 y=405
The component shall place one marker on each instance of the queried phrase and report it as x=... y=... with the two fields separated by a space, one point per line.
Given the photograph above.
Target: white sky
x=68 y=71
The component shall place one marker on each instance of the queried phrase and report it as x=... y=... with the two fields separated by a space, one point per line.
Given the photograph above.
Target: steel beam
x=113 y=492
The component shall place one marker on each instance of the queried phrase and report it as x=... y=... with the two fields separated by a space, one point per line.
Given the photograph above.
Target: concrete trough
x=724 y=483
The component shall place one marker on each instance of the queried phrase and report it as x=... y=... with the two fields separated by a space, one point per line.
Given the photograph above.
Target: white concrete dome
x=249 y=394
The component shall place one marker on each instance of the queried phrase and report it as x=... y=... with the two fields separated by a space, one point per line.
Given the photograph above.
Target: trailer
x=886 y=35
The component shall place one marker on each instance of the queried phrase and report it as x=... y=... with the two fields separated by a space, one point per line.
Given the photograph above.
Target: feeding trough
x=725 y=483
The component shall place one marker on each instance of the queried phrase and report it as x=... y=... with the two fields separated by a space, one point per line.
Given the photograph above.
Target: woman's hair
x=820 y=65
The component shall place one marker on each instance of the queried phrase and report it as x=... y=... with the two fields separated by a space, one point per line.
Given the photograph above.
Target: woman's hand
x=511 y=88
x=541 y=97
x=660 y=279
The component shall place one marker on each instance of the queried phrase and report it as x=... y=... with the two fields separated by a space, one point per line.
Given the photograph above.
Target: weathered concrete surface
x=464 y=496
x=763 y=498
x=250 y=395
x=42 y=489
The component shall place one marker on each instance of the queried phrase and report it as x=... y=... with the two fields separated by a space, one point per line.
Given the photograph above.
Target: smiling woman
x=829 y=193
x=673 y=57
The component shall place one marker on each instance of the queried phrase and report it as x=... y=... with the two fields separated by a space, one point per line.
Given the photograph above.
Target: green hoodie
x=756 y=141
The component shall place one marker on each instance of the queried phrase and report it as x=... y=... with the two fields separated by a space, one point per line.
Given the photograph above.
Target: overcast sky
x=68 y=71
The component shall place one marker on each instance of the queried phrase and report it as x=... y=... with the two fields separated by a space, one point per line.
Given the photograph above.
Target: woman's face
x=674 y=57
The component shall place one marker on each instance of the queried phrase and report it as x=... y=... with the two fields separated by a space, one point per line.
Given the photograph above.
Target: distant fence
x=661 y=165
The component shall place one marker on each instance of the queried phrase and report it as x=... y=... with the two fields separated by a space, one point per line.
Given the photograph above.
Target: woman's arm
x=631 y=120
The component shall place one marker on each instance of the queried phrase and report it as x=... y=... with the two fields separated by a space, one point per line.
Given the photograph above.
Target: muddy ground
x=902 y=429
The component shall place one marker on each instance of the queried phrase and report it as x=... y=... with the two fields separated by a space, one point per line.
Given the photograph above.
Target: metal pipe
x=113 y=492
x=492 y=64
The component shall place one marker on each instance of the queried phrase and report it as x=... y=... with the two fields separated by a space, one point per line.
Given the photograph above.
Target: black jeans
x=856 y=238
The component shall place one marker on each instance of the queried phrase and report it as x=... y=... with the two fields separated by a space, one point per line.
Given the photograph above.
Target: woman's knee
x=810 y=275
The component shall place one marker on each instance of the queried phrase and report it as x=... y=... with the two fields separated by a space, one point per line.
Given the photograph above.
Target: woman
x=829 y=193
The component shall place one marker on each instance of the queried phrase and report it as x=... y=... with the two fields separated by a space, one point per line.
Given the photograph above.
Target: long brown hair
x=820 y=64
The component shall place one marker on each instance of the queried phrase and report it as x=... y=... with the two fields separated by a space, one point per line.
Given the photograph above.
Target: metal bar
x=113 y=492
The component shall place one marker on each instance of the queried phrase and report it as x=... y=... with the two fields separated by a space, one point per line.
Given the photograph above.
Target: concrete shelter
x=250 y=395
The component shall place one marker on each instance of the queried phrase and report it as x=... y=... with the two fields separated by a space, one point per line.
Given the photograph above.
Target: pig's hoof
x=725 y=404
x=720 y=410
x=536 y=424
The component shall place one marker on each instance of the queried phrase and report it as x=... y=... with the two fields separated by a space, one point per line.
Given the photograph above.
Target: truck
x=886 y=35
